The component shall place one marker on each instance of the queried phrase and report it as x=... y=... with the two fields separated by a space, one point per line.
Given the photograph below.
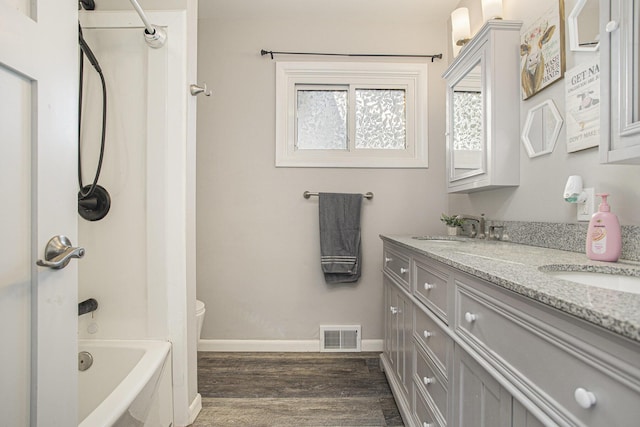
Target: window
x=351 y=115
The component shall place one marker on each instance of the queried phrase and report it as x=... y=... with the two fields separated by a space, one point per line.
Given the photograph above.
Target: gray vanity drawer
x=422 y=412
x=431 y=287
x=437 y=343
x=397 y=266
x=546 y=364
x=432 y=381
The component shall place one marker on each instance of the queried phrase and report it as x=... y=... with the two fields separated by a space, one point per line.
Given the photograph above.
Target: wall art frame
x=542 y=51
x=582 y=105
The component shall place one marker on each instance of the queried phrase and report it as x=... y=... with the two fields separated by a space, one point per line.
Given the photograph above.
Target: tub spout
x=87 y=306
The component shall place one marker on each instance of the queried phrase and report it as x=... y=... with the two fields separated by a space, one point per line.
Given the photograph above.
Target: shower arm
x=154 y=36
x=149 y=28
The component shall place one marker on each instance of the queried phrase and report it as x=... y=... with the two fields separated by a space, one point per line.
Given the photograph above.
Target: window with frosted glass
x=321 y=120
x=380 y=119
x=351 y=115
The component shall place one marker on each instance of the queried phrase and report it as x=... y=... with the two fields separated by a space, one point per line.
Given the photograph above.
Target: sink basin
x=606 y=280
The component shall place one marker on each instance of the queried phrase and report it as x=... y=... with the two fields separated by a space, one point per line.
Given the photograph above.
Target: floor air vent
x=339 y=338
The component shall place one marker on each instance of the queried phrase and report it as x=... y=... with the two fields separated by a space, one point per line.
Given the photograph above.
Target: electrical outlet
x=587 y=209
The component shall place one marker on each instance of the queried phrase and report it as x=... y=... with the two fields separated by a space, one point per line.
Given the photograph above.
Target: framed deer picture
x=542 y=51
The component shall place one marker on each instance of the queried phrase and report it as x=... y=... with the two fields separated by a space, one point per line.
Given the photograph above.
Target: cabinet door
x=402 y=327
x=394 y=329
x=479 y=400
x=522 y=417
x=619 y=83
x=388 y=322
x=398 y=325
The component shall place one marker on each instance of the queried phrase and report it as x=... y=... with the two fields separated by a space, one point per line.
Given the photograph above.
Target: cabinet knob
x=428 y=380
x=394 y=310
x=426 y=424
x=387 y=259
x=403 y=270
x=428 y=286
x=470 y=317
x=585 y=398
x=427 y=334
x=611 y=26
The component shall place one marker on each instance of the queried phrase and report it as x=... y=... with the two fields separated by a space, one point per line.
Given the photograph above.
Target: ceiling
x=428 y=10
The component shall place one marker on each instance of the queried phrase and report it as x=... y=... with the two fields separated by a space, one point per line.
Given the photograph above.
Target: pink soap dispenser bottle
x=604 y=240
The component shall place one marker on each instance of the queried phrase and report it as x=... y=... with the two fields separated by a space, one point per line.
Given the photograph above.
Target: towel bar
x=307 y=194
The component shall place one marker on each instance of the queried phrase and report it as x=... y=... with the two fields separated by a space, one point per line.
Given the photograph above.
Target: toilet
x=200 y=310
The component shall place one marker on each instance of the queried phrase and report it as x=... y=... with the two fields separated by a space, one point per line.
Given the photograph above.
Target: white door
x=38 y=133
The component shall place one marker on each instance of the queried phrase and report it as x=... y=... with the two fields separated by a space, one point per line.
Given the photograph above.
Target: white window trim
x=409 y=76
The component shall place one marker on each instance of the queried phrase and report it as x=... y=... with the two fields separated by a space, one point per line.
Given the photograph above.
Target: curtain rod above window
x=272 y=52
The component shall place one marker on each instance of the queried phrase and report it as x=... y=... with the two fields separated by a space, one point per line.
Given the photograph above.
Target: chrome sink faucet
x=479 y=232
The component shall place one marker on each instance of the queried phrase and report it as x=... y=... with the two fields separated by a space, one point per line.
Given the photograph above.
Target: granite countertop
x=516 y=267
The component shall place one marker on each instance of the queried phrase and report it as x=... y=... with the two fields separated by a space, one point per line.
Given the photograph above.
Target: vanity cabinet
x=619 y=83
x=483 y=110
x=476 y=354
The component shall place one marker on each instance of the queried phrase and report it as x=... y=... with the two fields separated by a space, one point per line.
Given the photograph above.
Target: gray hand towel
x=340 y=237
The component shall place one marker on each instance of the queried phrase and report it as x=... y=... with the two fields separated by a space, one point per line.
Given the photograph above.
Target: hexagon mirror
x=584 y=23
x=541 y=129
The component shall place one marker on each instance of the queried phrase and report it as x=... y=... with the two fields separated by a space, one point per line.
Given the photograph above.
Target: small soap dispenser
x=604 y=240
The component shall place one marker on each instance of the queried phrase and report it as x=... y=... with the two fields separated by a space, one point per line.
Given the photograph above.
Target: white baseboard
x=276 y=345
x=195 y=408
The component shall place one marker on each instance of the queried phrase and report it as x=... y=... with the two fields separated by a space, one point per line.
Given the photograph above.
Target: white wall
x=258 y=266
x=542 y=179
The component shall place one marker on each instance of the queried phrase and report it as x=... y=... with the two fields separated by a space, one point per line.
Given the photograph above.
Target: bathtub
x=128 y=383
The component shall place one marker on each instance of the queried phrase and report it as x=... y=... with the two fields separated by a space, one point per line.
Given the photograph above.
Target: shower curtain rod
x=264 y=52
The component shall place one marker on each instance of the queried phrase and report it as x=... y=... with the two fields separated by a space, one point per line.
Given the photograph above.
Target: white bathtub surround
x=128 y=382
x=141 y=257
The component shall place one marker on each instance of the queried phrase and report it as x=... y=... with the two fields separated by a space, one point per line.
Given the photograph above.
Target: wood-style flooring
x=294 y=389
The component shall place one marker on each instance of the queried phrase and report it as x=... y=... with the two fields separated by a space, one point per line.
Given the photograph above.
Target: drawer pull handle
x=428 y=286
x=427 y=334
x=427 y=380
x=387 y=259
x=403 y=270
x=585 y=398
x=426 y=424
x=394 y=310
x=470 y=317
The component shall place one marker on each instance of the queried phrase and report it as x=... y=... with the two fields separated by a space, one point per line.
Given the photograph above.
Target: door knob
x=59 y=252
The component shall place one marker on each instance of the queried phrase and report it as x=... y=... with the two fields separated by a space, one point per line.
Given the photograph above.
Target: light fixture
x=460 y=27
x=491 y=9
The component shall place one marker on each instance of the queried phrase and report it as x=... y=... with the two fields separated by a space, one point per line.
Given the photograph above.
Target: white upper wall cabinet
x=483 y=111
x=620 y=63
